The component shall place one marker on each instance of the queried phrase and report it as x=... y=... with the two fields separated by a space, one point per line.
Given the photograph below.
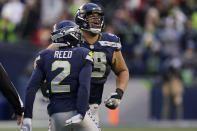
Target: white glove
x=113 y=101
x=26 y=125
x=74 y=120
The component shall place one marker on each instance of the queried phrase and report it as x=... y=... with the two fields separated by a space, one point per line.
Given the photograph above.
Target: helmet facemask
x=95 y=22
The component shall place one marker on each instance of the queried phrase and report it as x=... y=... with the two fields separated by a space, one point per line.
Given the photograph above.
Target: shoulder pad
x=88 y=55
x=110 y=40
x=110 y=37
x=43 y=52
x=40 y=55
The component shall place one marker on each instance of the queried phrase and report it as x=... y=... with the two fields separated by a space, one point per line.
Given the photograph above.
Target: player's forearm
x=15 y=100
x=32 y=88
x=10 y=92
x=84 y=89
x=122 y=80
x=29 y=100
x=114 y=99
x=120 y=69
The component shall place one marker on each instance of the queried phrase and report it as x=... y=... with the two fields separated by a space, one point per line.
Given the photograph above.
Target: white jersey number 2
x=55 y=83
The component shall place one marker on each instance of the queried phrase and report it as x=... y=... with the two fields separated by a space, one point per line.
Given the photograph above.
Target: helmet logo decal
x=66 y=34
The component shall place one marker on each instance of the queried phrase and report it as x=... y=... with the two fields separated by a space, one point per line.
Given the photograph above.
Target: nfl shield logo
x=91 y=46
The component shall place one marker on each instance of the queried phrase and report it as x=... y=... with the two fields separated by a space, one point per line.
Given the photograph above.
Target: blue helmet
x=66 y=33
x=81 y=17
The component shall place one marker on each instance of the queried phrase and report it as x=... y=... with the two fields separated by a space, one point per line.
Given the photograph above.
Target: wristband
x=119 y=92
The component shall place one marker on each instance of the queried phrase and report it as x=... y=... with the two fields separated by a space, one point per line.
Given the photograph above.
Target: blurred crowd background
x=158 y=37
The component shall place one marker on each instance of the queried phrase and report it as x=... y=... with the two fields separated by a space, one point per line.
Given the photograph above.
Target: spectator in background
x=189 y=65
x=42 y=37
x=30 y=19
x=189 y=36
x=127 y=29
x=188 y=6
x=52 y=8
x=7 y=31
x=170 y=36
x=2 y=2
x=151 y=49
x=13 y=11
x=172 y=90
x=11 y=16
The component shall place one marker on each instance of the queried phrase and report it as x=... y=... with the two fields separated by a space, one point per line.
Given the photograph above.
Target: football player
x=106 y=48
x=107 y=54
x=67 y=72
x=9 y=91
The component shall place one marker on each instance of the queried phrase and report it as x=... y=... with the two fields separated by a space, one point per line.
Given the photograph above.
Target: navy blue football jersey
x=67 y=73
x=103 y=50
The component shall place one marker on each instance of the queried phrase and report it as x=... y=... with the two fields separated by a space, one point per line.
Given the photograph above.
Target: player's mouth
x=95 y=24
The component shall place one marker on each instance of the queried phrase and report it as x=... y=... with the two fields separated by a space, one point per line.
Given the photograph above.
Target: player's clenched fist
x=113 y=101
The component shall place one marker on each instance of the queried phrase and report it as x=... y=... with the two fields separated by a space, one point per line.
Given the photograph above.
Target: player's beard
x=93 y=34
x=90 y=33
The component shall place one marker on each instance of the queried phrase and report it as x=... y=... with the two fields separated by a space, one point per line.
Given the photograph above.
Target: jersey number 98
x=99 y=63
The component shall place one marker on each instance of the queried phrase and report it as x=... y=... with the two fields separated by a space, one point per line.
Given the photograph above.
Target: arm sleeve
x=84 y=89
x=9 y=91
x=33 y=86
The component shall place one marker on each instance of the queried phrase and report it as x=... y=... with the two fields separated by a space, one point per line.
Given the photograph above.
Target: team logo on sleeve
x=90 y=56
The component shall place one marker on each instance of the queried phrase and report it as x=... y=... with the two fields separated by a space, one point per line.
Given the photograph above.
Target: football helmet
x=66 y=33
x=90 y=17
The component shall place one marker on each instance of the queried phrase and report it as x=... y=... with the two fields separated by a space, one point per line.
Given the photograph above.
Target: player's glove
x=74 y=120
x=113 y=101
x=26 y=125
